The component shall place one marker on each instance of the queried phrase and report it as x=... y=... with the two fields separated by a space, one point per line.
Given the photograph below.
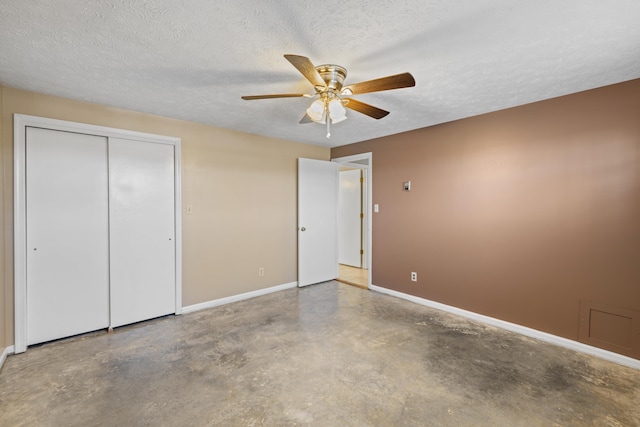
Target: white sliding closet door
x=67 y=229
x=142 y=229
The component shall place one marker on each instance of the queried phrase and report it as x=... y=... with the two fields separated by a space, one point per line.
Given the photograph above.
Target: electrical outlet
x=261 y=271
x=414 y=276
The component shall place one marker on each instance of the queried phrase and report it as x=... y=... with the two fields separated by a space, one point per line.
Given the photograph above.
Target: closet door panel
x=67 y=234
x=142 y=230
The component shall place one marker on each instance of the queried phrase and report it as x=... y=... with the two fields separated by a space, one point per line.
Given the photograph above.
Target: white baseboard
x=523 y=330
x=235 y=298
x=7 y=351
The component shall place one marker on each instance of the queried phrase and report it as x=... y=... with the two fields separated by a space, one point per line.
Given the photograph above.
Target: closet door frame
x=20 y=123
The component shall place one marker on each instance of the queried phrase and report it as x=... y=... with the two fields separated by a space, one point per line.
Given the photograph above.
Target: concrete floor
x=325 y=355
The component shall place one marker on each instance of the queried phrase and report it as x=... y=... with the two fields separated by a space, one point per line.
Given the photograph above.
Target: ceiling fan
x=332 y=96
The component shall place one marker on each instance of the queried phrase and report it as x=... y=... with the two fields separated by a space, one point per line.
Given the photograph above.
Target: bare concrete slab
x=325 y=355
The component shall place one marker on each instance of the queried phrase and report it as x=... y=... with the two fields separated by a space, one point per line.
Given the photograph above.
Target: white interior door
x=143 y=251
x=350 y=218
x=67 y=260
x=317 y=221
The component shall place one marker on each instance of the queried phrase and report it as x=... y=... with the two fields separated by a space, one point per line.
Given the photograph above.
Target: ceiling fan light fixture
x=337 y=112
x=316 y=111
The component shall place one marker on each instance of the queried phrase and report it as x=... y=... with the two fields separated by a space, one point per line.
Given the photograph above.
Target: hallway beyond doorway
x=353 y=276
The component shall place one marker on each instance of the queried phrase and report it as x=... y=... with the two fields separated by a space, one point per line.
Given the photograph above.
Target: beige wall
x=242 y=188
x=518 y=214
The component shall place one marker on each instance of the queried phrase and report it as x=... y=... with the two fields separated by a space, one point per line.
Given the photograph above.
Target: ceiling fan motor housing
x=333 y=75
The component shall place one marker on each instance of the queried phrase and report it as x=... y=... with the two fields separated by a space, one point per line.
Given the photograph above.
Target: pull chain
x=328 y=119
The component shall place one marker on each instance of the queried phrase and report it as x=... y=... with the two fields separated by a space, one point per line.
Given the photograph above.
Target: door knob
x=302 y=229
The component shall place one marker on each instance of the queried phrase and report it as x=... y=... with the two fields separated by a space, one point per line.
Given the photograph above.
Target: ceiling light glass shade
x=316 y=111
x=336 y=111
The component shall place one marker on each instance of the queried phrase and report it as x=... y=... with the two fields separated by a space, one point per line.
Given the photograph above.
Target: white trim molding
x=523 y=330
x=20 y=123
x=7 y=351
x=236 y=298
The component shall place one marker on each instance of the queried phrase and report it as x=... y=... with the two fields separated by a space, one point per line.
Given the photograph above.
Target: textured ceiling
x=193 y=60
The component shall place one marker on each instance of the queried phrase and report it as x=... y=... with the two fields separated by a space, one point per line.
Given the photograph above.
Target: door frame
x=20 y=123
x=354 y=161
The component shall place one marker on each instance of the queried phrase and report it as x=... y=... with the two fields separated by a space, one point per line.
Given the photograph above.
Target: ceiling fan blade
x=397 y=81
x=369 y=110
x=276 y=95
x=308 y=70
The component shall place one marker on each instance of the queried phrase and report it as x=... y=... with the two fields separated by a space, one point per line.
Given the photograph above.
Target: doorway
x=354 y=223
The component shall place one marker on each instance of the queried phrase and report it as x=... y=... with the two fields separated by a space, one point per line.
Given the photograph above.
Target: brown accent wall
x=242 y=187
x=518 y=214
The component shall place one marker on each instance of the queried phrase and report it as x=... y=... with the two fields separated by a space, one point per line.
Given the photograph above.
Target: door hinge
x=361 y=251
x=361 y=179
x=361 y=216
